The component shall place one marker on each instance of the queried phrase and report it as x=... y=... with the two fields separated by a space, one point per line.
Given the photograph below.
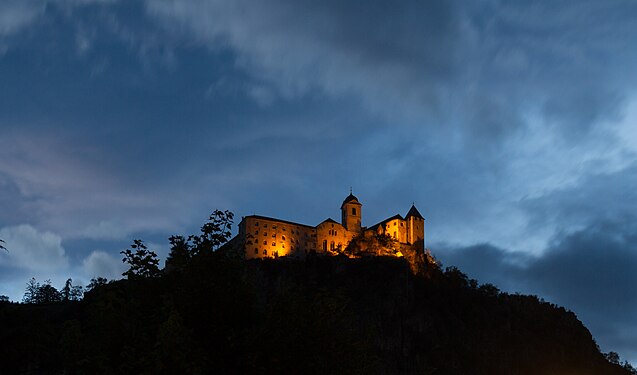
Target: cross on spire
x=350 y=190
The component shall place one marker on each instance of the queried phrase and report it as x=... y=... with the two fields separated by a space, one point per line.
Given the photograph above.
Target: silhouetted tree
x=180 y=253
x=612 y=357
x=214 y=233
x=71 y=292
x=628 y=367
x=4 y=298
x=40 y=293
x=1 y=246
x=30 y=294
x=96 y=283
x=47 y=293
x=143 y=262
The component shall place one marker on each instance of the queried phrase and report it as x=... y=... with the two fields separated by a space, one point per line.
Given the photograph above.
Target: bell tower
x=351 y=213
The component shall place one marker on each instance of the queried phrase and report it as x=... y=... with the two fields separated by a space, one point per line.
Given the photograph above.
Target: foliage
x=143 y=262
x=71 y=292
x=180 y=253
x=96 y=283
x=40 y=293
x=614 y=359
x=214 y=233
x=4 y=298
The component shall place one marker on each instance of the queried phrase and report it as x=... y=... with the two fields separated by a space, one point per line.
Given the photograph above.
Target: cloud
x=66 y=188
x=596 y=196
x=17 y=14
x=482 y=68
x=103 y=264
x=32 y=250
x=31 y=253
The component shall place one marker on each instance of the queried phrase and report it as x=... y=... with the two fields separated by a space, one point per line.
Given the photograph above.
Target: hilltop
x=319 y=315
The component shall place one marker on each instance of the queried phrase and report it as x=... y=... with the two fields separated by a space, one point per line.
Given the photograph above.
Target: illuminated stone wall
x=396 y=229
x=332 y=235
x=271 y=238
x=416 y=229
x=264 y=237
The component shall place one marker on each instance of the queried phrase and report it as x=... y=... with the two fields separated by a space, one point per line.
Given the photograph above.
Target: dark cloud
x=595 y=197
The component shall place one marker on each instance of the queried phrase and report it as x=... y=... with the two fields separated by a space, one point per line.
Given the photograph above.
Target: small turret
x=351 y=213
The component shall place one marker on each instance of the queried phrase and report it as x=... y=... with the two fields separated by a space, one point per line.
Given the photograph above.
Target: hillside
x=321 y=315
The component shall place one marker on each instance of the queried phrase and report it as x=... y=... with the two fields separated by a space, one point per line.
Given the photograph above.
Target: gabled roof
x=330 y=220
x=413 y=211
x=279 y=220
x=397 y=216
x=351 y=199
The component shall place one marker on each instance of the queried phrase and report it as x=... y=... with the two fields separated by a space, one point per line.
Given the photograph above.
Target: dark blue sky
x=512 y=125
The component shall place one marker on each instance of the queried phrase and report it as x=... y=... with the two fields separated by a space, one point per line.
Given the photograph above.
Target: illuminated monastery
x=266 y=237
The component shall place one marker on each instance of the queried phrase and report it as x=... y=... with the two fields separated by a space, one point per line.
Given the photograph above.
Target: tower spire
x=350 y=190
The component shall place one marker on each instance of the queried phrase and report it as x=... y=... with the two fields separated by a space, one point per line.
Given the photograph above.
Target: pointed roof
x=413 y=211
x=330 y=220
x=351 y=199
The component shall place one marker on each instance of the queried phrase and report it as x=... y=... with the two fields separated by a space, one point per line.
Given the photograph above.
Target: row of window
x=265 y=225
x=273 y=235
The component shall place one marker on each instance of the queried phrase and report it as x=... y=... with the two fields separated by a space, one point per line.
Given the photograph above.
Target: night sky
x=511 y=124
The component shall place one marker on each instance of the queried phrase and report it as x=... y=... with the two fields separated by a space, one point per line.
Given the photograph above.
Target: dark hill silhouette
x=321 y=315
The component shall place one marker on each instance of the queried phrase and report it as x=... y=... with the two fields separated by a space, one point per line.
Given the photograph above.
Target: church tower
x=415 y=226
x=351 y=213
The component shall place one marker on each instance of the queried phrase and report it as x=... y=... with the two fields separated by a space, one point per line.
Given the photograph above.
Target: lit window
x=332 y=245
